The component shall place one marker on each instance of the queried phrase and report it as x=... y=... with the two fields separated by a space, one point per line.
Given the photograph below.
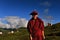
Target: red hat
x=34 y=13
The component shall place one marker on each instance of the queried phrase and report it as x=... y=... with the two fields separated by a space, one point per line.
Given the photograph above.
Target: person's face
x=34 y=16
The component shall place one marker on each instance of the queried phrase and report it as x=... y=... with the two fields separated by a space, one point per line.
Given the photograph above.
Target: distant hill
x=53 y=30
x=51 y=33
x=56 y=25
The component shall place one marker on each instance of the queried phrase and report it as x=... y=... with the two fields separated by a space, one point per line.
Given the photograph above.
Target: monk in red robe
x=36 y=27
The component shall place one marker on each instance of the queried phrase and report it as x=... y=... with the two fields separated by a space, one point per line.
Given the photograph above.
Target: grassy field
x=24 y=35
x=21 y=35
x=51 y=33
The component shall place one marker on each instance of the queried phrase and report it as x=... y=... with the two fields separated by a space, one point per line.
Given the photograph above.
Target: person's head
x=34 y=14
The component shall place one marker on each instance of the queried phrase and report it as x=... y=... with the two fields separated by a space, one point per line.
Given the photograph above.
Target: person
x=35 y=27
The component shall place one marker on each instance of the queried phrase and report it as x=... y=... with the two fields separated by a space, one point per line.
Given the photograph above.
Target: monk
x=35 y=27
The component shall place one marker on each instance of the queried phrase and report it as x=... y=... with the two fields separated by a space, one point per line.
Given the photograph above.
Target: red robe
x=35 y=28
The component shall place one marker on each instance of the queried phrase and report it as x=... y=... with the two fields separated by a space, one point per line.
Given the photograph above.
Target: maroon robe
x=35 y=28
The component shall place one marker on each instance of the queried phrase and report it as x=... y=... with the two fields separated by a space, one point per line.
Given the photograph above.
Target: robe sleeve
x=42 y=26
x=29 y=27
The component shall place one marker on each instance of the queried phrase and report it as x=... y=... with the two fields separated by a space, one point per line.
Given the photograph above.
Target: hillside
x=51 y=33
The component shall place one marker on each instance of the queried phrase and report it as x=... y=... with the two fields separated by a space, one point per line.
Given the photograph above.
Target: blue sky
x=23 y=8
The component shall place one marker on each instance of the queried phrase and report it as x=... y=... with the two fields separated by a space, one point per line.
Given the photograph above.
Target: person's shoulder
x=40 y=19
x=30 y=20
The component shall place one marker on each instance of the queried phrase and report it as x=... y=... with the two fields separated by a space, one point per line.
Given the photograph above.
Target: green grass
x=21 y=35
x=24 y=35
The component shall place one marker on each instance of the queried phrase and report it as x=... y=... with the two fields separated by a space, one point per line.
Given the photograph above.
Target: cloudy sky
x=12 y=11
x=13 y=22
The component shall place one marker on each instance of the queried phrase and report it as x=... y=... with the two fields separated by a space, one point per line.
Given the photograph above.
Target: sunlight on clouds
x=14 y=22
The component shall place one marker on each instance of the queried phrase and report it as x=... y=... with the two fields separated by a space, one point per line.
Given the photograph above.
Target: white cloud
x=46 y=11
x=7 y=26
x=0 y=19
x=13 y=22
x=46 y=3
x=46 y=6
x=23 y=22
x=2 y=25
x=46 y=15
